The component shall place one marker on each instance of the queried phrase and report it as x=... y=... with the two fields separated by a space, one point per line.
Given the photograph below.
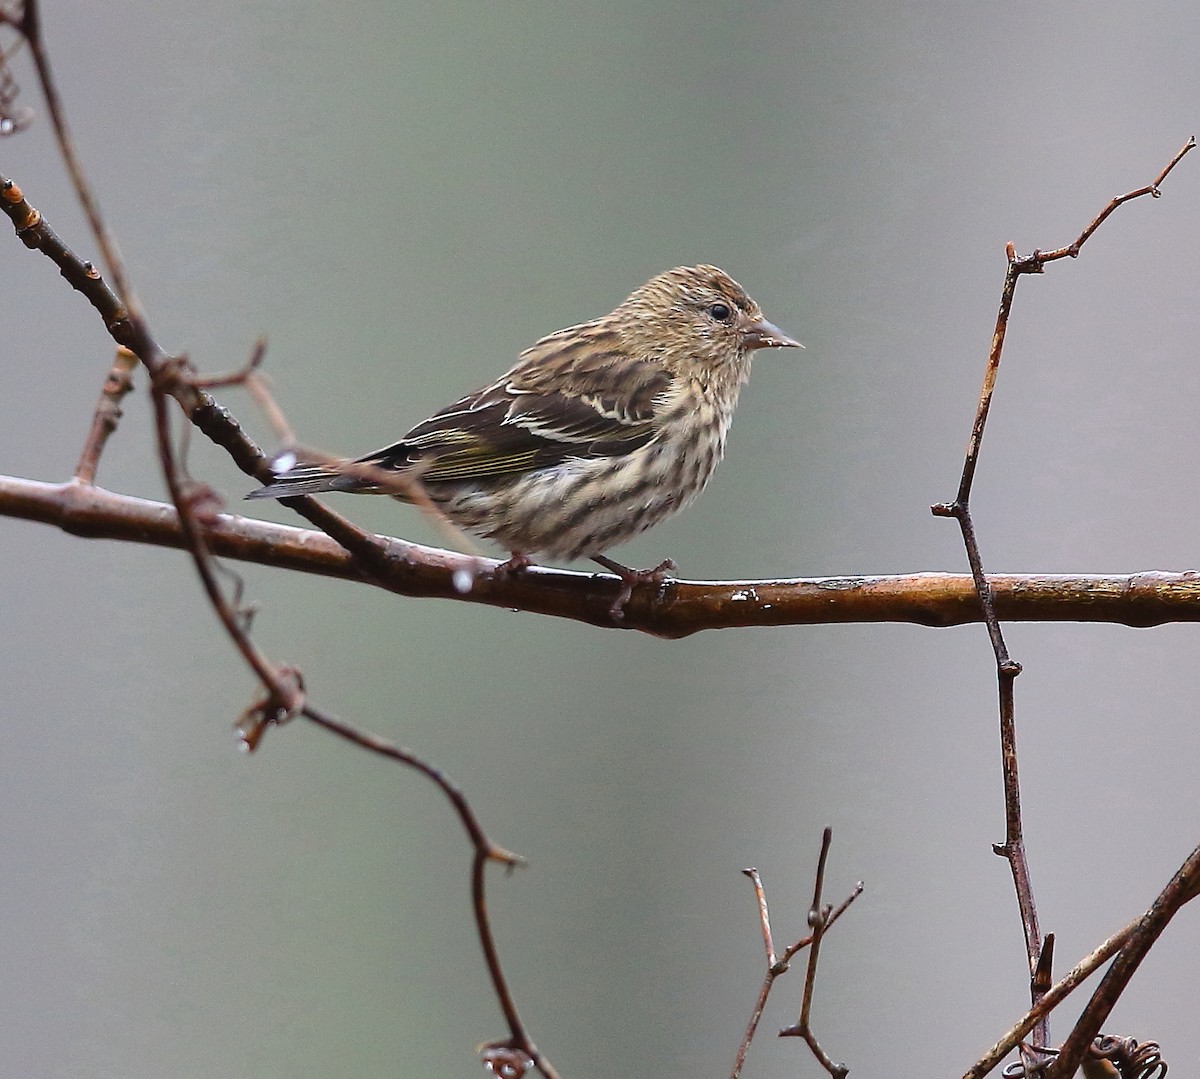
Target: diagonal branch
x=1182 y=888
x=194 y=504
x=1050 y=1000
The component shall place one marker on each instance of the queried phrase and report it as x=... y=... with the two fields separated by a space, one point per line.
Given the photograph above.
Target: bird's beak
x=764 y=334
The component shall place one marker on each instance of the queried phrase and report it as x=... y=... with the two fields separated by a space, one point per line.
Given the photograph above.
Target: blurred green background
x=401 y=197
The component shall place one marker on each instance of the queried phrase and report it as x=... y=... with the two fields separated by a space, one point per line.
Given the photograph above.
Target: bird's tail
x=296 y=479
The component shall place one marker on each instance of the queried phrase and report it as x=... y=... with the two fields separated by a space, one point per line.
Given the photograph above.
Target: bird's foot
x=630 y=578
x=516 y=564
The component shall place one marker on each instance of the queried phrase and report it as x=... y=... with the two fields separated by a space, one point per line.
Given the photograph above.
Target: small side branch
x=820 y=918
x=106 y=415
x=1035 y=262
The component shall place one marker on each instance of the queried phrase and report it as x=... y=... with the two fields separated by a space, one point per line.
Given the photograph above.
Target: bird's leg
x=517 y=562
x=630 y=578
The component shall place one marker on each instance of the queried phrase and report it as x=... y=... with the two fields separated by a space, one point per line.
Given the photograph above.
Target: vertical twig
x=819 y=915
x=776 y=964
x=774 y=969
x=107 y=414
x=1013 y=847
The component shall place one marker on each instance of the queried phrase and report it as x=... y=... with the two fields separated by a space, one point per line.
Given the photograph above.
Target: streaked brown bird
x=598 y=432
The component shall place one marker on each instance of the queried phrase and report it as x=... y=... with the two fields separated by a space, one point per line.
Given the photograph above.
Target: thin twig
x=1050 y=1000
x=31 y=27
x=819 y=917
x=1182 y=888
x=172 y=376
x=484 y=851
x=764 y=916
x=776 y=965
x=1013 y=847
x=774 y=969
x=107 y=414
x=1039 y=258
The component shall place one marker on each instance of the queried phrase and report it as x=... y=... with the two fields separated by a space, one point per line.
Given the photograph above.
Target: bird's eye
x=720 y=311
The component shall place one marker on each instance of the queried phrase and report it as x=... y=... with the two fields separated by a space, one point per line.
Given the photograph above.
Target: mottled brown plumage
x=598 y=432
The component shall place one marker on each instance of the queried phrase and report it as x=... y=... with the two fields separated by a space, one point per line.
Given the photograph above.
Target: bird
x=598 y=431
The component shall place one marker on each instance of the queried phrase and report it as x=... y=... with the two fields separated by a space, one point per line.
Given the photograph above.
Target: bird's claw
x=631 y=578
x=514 y=565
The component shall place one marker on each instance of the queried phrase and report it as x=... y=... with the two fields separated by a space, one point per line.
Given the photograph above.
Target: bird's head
x=698 y=315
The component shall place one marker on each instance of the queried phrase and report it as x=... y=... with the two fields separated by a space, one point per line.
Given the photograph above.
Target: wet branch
x=684 y=607
x=193 y=522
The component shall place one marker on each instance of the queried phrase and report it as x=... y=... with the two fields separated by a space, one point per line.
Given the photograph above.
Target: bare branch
x=107 y=414
x=1140 y=600
x=195 y=504
x=820 y=916
x=1013 y=847
x=519 y=1044
x=1038 y=259
x=1182 y=888
x=1050 y=1000
x=777 y=966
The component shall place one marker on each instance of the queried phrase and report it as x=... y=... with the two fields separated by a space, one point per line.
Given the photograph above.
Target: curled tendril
x=1131 y=1058
x=1017 y=1069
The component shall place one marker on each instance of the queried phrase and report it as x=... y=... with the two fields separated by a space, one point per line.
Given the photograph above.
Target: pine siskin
x=598 y=432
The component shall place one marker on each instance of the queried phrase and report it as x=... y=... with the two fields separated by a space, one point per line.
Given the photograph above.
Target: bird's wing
x=563 y=399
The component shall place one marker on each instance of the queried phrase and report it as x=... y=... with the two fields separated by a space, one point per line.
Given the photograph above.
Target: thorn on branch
x=506 y=858
x=1043 y=975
